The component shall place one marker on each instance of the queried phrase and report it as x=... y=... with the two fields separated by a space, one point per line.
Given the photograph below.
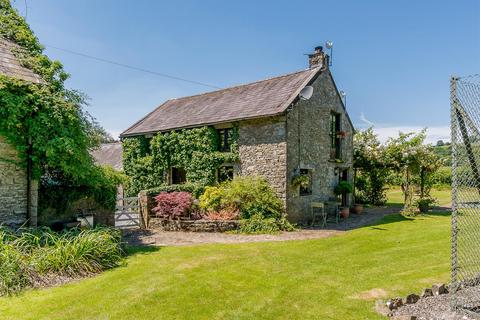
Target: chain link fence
x=465 y=130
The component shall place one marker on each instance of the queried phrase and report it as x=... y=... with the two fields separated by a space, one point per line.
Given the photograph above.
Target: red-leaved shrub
x=223 y=214
x=173 y=205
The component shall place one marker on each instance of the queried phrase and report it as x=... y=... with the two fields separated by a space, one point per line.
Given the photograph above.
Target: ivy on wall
x=147 y=161
x=47 y=123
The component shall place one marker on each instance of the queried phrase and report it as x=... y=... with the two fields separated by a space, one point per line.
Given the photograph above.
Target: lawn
x=332 y=278
x=443 y=196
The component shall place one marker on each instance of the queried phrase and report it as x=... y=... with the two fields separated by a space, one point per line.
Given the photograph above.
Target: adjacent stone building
x=13 y=177
x=284 y=131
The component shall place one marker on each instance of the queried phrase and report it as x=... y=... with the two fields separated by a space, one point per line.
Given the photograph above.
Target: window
x=335 y=140
x=225 y=173
x=225 y=137
x=179 y=176
x=306 y=190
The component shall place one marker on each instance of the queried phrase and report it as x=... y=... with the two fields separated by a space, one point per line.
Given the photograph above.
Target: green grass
x=395 y=196
x=311 y=279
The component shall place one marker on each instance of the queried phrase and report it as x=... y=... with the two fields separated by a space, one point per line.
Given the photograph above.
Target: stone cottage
x=14 y=185
x=282 y=132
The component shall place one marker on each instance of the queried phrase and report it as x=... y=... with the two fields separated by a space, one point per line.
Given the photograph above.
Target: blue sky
x=393 y=58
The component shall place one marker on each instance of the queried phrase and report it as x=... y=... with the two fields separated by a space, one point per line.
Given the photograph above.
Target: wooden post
x=144 y=209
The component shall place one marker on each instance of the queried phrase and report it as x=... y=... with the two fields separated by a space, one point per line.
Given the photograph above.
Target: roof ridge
x=244 y=84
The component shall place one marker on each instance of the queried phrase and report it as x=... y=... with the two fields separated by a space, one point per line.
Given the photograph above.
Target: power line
x=134 y=67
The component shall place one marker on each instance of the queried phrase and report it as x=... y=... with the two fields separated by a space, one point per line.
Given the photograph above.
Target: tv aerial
x=329 y=45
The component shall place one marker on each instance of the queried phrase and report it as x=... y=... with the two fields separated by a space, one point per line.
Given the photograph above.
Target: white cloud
x=433 y=133
x=386 y=131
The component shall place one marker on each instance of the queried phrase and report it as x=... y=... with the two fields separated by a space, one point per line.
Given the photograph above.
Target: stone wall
x=13 y=187
x=193 y=225
x=308 y=138
x=263 y=151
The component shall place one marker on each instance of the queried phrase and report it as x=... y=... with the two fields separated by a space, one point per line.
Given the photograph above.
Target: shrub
x=443 y=176
x=260 y=209
x=250 y=195
x=258 y=224
x=36 y=256
x=173 y=205
x=195 y=189
x=211 y=199
x=58 y=192
x=424 y=204
x=368 y=191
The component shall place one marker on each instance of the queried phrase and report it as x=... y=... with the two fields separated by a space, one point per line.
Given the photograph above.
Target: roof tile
x=11 y=66
x=258 y=99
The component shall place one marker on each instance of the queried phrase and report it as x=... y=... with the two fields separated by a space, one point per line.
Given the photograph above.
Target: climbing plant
x=46 y=122
x=147 y=160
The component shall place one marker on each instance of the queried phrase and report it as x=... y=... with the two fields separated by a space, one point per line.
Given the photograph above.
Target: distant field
x=443 y=196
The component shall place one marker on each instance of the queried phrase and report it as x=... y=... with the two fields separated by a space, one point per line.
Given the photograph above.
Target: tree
x=414 y=162
x=370 y=168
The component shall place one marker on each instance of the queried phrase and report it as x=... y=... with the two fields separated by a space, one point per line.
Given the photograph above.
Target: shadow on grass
x=394 y=204
x=391 y=218
x=443 y=213
x=134 y=244
x=141 y=249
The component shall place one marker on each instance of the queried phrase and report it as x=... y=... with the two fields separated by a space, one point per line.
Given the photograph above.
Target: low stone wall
x=193 y=225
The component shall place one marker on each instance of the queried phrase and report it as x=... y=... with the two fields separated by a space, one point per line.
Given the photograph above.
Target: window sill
x=336 y=161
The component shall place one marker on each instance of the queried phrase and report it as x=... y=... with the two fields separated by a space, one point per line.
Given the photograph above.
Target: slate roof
x=10 y=66
x=254 y=100
x=109 y=154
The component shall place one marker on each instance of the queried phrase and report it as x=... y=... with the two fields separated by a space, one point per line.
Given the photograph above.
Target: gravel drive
x=171 y=238
x=437 y=307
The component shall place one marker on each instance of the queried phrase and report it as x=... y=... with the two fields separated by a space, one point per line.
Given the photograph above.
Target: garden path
x=170 y=238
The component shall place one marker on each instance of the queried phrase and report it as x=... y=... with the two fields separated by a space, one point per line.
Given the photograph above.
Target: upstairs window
x=225 y=138
x=179 y=176
x=335 y=139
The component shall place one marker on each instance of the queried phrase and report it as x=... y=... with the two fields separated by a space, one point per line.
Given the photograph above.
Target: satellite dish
x=306 y=93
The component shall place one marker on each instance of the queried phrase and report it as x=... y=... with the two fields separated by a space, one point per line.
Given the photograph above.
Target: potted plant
x=343 y=188
x=357 y=208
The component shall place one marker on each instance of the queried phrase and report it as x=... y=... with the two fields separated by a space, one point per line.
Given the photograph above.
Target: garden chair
x=332 y=210
x=318 y=213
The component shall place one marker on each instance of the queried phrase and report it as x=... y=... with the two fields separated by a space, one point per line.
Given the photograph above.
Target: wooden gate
x=127 y=213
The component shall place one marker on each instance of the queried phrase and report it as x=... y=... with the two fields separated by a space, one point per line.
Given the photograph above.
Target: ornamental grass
x=31 y=257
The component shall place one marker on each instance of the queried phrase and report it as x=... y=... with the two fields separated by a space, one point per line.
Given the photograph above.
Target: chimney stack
x=318 y=58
